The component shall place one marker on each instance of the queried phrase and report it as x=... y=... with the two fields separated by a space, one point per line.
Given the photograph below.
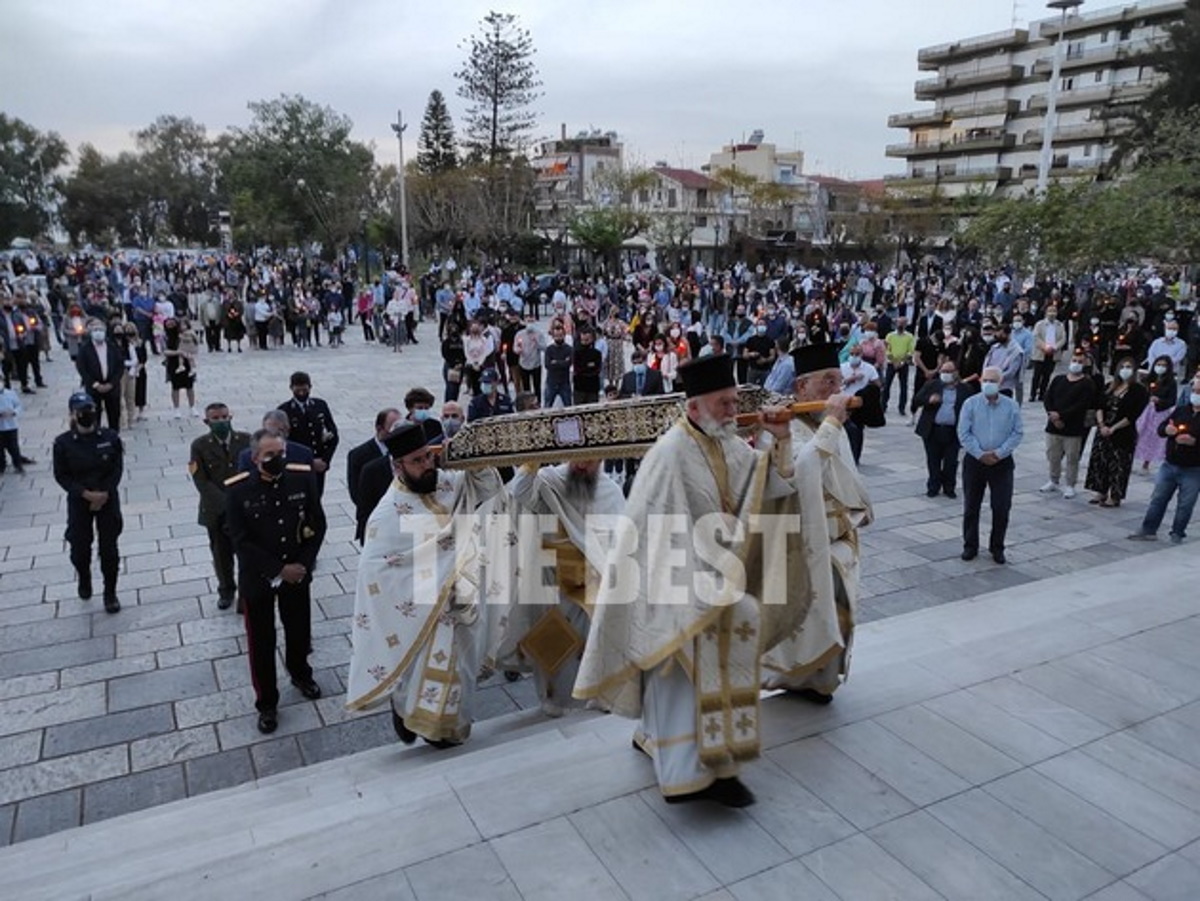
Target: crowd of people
x=844 y=339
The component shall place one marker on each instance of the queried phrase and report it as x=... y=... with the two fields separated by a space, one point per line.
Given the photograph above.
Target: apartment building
x=983 y=133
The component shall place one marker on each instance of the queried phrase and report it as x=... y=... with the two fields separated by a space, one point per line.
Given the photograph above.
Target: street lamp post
x=1043 y=181
x=362 y=217
x=398 y=127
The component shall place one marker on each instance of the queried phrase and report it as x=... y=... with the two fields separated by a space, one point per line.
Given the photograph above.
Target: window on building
x=1104 y=37
x=1074 y=49
x=1068 y=84
x=1087 y=149
x=1099 y=76
x=672 y=198
x=1125 y=32
x=644 y=195
x=702 y=197
x=1061 y=161
x=701 y=222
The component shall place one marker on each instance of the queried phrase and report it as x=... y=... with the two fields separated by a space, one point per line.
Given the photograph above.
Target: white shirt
x=855 y=378
x=102 y=356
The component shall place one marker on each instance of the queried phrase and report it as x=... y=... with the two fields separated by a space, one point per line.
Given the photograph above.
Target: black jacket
x=652 y=385
x=929 y=409
x=356 y=460
x=312 y=425
x=272 y=524
x=373 y=484
x=88 y=363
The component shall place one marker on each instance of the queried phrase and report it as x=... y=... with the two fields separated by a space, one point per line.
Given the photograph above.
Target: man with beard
x=88 y=465
x=814 y=661
x=419 y=627
x=678 y=631
x=546 y=630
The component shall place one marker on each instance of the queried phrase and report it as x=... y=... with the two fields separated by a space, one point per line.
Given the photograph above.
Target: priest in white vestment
x=564 y=516
x=419 y=624
x=703 y=576
x=815 y=660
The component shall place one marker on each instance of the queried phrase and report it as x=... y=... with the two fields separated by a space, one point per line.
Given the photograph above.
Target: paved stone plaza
x=101 y=715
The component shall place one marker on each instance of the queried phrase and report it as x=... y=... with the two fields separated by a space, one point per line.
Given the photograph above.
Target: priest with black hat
x=703 y=575
x=420 y=624
x=813 y=662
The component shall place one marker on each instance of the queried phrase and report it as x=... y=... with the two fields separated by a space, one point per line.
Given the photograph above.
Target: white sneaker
x=177 y=414
x=195 y=412
x=1068 y=492
x=1048 y=487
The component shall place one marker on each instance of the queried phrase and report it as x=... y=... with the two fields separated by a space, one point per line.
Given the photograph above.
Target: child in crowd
x=10 y=411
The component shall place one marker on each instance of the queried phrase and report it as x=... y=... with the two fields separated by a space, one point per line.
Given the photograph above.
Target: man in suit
x=311 y=425
x=1049 y=339
x=641 y=381
x=939 y=402
x=100 y=368
x=213 y=460
x=371 y=449
x=377 y=476
x=277 y=423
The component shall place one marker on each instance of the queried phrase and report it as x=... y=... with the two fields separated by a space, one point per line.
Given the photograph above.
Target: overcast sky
x=674 y=78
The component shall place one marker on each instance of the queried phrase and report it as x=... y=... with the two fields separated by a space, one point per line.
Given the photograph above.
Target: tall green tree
x=436 y=151
x=1180 y=62
x=110 y=200
x=29 y=183
x=500 y=82
x=178 y=160
x=294 y=175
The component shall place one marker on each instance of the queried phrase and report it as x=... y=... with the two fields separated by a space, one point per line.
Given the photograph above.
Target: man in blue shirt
x=989 y=430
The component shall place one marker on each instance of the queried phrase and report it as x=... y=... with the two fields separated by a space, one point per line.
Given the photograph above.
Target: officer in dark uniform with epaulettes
x=276 y=524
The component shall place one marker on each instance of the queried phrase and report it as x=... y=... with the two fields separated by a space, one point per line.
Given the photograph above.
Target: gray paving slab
x=103 y=800
x=8 y=814
x=115 y=728
x=215 y=771
x=46 y=814
x=173 y=684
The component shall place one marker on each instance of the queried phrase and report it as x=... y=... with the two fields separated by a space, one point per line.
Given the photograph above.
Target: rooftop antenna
x=1015 y=12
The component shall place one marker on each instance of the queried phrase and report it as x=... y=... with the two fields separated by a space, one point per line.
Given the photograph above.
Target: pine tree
x=435 y=147
x=500 y=81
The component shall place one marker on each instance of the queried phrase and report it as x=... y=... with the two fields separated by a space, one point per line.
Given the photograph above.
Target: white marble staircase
x=533 y=808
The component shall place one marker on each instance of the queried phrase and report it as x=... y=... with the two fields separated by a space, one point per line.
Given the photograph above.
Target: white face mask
x=1160 y=370
x=98 y=336
x=1125 y=373
x=1074 y=368
x=1171 y=332
x=946 y=377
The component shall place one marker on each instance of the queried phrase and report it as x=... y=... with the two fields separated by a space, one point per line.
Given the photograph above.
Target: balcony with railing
x=917 y=118
x=929 y=58
x=1086 y=131
x=973 y=141
x=949 y=173
x=1075 y=59
x=929 y=88
x=1157 y=12
x=1100 y=94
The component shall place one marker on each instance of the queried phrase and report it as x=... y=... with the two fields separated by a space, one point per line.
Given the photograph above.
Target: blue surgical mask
x=639 y=368
x=420 y=415
x=487 y=386
x=1195 y=398
x=990 y=389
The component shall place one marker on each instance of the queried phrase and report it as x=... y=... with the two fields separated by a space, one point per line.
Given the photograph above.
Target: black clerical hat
x=705 y=375
x=815 y=357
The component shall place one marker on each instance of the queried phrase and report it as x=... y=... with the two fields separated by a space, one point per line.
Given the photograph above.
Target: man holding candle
x=1180 y=471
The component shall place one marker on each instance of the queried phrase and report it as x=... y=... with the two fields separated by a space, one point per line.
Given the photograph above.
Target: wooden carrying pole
x=787 y=412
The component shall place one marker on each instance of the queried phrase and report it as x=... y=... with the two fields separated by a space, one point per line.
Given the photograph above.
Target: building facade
x=984 y=132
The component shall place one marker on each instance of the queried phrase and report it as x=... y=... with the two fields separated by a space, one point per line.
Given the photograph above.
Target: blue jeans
x=1171 y=477
x=556 y=388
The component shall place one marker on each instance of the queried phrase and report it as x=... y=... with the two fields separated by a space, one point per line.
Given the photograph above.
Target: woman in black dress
x=1116 y=435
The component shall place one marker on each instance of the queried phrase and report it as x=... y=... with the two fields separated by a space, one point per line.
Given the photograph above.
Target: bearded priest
x=419 y=626
x=705 y=573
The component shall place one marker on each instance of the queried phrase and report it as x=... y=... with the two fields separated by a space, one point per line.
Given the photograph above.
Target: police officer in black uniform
x=311 y=425
x=276 y=524
x=88 y=463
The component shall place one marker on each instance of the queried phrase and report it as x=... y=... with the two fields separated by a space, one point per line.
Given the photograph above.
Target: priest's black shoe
x=729 y=792
x=111 y=604
x=998 y=556
x=970 y=554
x=812 y=696
x=268 y=721
x=85 y=586
x=404 y=733
x=308 y=687
x=225 y=600
x=442 y=743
